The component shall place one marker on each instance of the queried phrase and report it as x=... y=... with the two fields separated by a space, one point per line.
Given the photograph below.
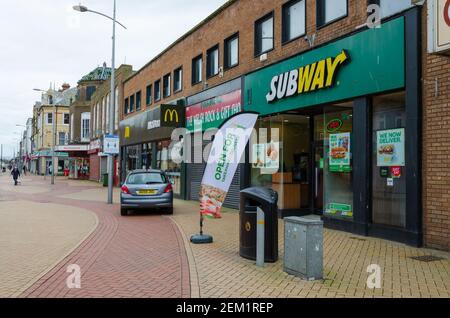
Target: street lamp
x=81 y=8
x=53 y=130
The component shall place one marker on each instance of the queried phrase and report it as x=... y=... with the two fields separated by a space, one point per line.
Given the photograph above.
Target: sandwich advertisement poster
x=391 y=148
x=340 y=152
x=225 y=155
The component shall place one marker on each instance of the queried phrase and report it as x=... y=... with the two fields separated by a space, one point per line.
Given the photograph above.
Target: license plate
x=146 y=192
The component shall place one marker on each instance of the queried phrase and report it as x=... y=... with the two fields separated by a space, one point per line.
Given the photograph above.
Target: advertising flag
x=225 y=155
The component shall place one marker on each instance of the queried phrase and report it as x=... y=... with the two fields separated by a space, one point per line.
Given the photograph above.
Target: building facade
x=356 y=106
x=52 y=102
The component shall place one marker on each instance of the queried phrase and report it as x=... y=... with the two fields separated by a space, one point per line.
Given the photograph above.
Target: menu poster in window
x=340 y=152
x=267 y=157
x=391 y=148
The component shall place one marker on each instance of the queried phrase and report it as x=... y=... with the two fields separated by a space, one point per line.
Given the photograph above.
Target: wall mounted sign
x=213 y=112
x=309 y=78
x=374 y=63
x=334 y=125
x=391 y=148
x=340 y=152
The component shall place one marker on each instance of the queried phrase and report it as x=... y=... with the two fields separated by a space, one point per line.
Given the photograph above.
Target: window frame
x=208 y=65
x=64 y=119
x=284 y=20
x=126 y=106
x=149 y=101
x=138 y=101
x=132 y=104
x=181 y=79
x=47 y=119
x=194 y=60
x=268 y=16
x=155 y=97
x=320 y=15
x=169 y=82
x=226 y=53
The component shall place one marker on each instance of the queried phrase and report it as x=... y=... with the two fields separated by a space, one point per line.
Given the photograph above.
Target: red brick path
x=135 y=256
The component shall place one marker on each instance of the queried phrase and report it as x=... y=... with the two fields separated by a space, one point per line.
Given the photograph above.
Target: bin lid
x=261 y=194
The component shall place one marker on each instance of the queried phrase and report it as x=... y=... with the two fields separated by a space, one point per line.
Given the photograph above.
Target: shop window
x=231 y=51
x=66 y=119
x=388 y=160
x=178 y=80
x=132 y=103
x=138 y=100
x=212 y=61
x=197 y=64
x=264 y=34
x=389 y=7
x=294 y=17
x=165 y=162
x=157 y=91
x=148 y=94
x=329 y=11
x=166 y=85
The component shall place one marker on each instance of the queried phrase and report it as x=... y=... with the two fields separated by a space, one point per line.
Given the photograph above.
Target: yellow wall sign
x=127 y=132
x=309 y=78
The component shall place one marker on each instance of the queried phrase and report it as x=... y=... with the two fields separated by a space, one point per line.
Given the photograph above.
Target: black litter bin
x=267 y=200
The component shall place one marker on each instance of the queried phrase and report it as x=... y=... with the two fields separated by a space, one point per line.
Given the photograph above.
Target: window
x=103 y=114
x=178 y=80
x=127 y=106
x=97 y=125
x=72 y=132
x=116 y=109
x=264 y=34
x=66 y=119
x=131 y=103
x=231 y=51
x=293 y=20
x=330 y=10
x=49 y=118
x=90 y=90
x=138 y=100
x=197 y=69
x=389 y=7
x=212 y=61
x=61 y=138
x=166 y=85
x=85 y=122
x=148 y=95
x=157 y=90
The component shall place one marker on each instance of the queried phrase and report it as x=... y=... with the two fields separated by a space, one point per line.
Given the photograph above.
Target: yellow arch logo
x=172 y=113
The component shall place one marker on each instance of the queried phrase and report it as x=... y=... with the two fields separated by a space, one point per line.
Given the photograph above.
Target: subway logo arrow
x=309 y=78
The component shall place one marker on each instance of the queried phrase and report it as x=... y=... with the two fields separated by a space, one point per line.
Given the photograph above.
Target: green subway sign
x=368 y=62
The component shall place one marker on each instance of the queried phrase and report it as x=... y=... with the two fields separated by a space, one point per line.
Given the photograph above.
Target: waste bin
x=303 y=247
x=267 y=200
x=105 y=179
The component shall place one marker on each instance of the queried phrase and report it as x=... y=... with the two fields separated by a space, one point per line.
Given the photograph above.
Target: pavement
x=45 y=229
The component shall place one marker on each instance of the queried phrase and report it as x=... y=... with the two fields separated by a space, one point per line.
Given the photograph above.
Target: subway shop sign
x=309 y=78
x=368 y=62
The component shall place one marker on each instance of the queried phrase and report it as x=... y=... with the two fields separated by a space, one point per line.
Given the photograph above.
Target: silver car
x=146 y=189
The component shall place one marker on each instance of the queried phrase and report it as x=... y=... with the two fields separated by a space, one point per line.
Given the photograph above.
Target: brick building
x=396 y=188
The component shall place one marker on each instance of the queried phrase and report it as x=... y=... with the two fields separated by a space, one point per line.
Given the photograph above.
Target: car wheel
x=169 y=211
x=123 y=212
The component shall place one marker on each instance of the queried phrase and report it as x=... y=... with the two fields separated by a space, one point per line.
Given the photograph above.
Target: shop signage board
x=223 y=160
x=439 y=26
x=213 y=112
x=367 y=62
x=391 y=148
x=340 y=147
x=338 y=209
x=111 y=145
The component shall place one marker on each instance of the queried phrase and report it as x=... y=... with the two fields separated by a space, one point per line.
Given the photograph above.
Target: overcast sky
x=46 y=41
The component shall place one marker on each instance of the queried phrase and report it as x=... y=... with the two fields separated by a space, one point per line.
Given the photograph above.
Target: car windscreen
x=146 y=178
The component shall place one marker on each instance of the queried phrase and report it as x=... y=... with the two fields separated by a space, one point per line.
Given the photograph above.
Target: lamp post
x=81 y=8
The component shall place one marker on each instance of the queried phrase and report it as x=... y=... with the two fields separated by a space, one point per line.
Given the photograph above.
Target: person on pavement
x=15 y=174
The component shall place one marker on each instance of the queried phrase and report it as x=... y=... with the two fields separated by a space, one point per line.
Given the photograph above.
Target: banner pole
x=201 y=238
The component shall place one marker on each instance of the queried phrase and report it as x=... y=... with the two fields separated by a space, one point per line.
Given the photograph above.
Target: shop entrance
x=305 y=156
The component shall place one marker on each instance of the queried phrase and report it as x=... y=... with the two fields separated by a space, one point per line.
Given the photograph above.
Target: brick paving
x=221 y=272
x=136 y=256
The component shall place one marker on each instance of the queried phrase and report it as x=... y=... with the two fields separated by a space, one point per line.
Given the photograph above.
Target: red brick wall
x=239 y=17
x=94 y=162
x=436 y=147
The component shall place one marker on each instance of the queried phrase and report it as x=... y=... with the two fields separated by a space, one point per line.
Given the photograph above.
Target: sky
x=46 y=41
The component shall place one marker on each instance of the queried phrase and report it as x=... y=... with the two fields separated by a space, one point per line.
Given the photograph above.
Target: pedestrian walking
x=15 y=174
x=24 y=170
